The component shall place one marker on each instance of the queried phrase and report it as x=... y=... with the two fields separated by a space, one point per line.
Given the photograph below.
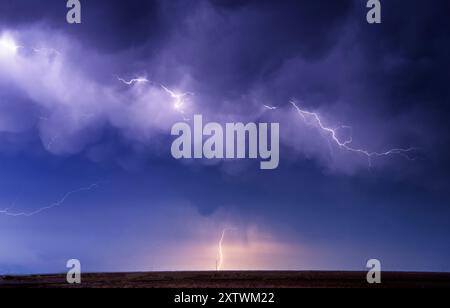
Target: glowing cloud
x=8 y=47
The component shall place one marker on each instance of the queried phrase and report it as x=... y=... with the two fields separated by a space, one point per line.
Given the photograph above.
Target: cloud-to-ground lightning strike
x=345 y=144
x=220 y=261
x=7 y=212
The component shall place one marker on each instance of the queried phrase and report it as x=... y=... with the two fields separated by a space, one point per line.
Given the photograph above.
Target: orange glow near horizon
x=246 y=251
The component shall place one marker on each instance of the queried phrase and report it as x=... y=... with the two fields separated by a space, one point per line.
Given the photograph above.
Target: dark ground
x=231 y=280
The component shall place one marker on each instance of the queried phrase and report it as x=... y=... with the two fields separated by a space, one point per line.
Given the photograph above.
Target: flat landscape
x=231 y=280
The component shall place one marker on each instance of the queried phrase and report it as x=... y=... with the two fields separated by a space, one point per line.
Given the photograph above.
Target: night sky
x=85 y=165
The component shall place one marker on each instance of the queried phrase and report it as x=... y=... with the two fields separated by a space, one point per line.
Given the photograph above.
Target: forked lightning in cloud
x=179 y=99
x=8 y=212
x=314 y=118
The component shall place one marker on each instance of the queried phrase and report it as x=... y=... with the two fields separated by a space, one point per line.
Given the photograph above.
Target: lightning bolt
x=270 y=107
x=55 y=137
x=130 y=82
x=7 y=211
x=346 y=144
x=179 y=99
x=220 y=249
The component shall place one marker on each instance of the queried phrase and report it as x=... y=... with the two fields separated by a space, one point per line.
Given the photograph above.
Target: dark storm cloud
x=110 y=25
x=236 y=55
x=234 y=41
x=404 y=65
x=232 y=45
x=388 y=81
x=407 y=55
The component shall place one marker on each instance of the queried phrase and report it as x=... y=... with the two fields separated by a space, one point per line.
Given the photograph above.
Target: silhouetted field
x=231 y=280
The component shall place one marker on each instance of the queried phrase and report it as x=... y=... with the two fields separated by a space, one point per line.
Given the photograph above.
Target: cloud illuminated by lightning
x=46 y=51
x=314 y=119
x=8 y=47
x=179 y=99
x=8 y=212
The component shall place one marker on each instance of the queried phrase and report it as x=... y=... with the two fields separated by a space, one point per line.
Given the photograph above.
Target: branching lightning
x=8 y=212
x=314 y=119
x=179 y=99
